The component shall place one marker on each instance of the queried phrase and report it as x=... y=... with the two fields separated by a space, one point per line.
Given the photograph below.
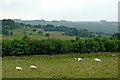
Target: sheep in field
x=98 y=60
x=33 y=67
x=18 y=68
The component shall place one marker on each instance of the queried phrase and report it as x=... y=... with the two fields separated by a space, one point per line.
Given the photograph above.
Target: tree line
x=50 y=46
x=8 y=25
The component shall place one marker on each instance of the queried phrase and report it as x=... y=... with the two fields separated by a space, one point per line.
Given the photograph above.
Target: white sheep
x=75 y=58
x=33 y=67
x=98 y=60
x=80 y=59
x=113 y=54
x=18 y=68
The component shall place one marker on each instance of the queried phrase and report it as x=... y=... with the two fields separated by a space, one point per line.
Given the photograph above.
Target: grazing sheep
x=33 y=67
x=18 y=68
x=75 y=58
x=98 y=60
x=80 y=59
x=113 y=54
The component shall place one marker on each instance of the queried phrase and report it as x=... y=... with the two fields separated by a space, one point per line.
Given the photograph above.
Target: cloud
x=60 y=9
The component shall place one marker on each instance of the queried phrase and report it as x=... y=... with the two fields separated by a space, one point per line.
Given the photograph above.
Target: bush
x=79 y=46
x=46 y=46
x=39 y=32
x=47 y=34
x=91 y=45
x=34 y=30
x=30 y=33
x=110 y=45
x=57 y=46
x=15 y=48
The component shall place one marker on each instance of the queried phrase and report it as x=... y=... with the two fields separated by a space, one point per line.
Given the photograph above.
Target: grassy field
x=62 y=66
x=19 y=33
x=0 y=68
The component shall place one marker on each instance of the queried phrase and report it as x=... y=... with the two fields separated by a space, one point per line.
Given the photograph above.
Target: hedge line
x=57 y=46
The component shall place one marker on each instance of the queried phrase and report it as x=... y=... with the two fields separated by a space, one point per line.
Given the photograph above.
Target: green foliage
x=91 y=45
x=15 y=48
x=34 y=30
x=8 y=25
x=68 y=31
x=72 y=32
x=116 y=35
x=30 y=33
x=39 y=32
x=79 y=46
x=100 y=43
x=46 y=46
x=47 y=34
x=57 y=46
x=24 y=32
x=26 y=38
x=5 y=31
x=11 y=33
x=110 y=45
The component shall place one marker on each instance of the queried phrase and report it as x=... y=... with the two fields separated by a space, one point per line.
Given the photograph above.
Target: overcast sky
x=71 y=10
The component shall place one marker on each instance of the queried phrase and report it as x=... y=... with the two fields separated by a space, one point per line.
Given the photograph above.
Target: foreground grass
x=62 y=66
x=0 y=68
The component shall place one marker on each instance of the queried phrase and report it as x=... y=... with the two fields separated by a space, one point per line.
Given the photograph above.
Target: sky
x=70 y=10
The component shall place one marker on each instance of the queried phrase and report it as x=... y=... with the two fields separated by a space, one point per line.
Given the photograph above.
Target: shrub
x=15 y=48
x=34 y=30
x=57 y=46
x=46 y=46
x=47 y=34
x=39 y=32
x=91 y=45
x=79 y=46
x=30 y=33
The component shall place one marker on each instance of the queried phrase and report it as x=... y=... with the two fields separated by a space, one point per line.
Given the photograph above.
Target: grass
x=0 y=68
x=18 y=34
x=62 y=66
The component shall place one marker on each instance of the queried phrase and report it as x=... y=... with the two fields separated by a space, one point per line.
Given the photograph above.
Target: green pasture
x=62 y=66
x=19 y=33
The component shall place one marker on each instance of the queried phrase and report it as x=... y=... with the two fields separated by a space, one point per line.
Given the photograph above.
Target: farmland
x=62 y=66
x=18 y=34
x=26 y=45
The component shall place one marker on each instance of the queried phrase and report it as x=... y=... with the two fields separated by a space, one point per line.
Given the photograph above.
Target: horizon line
x=63 y=20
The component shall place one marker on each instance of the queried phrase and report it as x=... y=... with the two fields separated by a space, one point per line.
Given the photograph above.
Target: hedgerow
x=57 y=46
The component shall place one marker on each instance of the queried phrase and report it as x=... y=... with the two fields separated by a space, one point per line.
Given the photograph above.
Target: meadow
x=18 y=33
x=61 y=66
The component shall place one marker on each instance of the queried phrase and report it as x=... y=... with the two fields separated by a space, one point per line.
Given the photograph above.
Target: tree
x=47 y=34
x=15 y=48
x=5 y=31
x=49 y=25
x=26 y=38
x=34 y=30
x=11 y=33
x=30 y=33
x=100 y=43
x=24 y=32
x=7 y=25
x=79 y=45
x=39 y=32
x=91 y=45
x=116 y=35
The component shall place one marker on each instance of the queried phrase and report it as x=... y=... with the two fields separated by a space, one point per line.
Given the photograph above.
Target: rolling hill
x=94 y=26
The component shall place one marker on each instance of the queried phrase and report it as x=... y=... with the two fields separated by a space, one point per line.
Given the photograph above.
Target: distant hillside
x=94 y=26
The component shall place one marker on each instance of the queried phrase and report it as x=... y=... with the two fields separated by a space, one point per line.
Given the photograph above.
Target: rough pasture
x=62 y=66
